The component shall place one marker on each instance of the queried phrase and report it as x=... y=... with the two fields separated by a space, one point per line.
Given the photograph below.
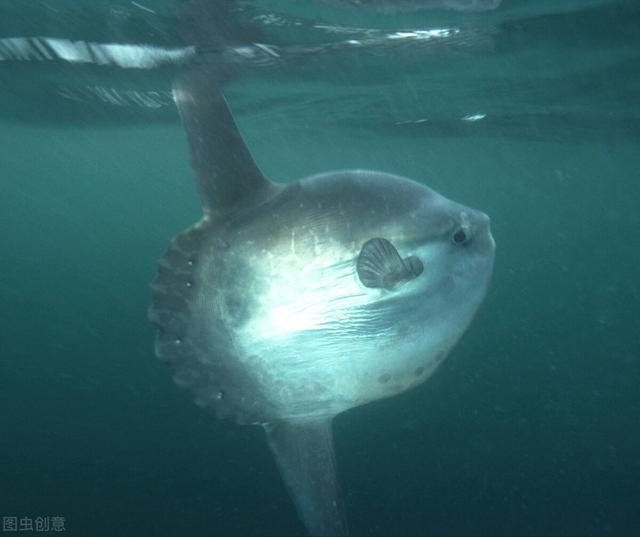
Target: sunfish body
x=286 y=305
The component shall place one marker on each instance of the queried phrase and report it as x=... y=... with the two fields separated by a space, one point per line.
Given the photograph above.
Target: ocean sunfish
x=288 y=304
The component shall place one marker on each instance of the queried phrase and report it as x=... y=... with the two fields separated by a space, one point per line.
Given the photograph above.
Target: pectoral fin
x=379 y=265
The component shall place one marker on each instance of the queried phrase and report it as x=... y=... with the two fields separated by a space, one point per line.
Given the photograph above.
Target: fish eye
x=460 y=236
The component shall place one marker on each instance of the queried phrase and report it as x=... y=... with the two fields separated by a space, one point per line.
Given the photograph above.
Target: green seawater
x=530 y=427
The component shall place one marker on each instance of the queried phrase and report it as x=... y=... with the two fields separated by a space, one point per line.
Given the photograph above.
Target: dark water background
x=531 y=427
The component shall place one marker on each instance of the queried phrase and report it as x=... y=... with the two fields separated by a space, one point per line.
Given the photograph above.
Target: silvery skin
x=286 y=305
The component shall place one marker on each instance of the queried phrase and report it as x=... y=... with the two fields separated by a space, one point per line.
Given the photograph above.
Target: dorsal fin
x=225 y=170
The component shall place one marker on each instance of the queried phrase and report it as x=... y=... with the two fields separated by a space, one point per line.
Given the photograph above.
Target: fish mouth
x=483 y=238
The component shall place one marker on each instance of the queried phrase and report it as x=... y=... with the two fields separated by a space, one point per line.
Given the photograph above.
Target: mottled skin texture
x=280 y=323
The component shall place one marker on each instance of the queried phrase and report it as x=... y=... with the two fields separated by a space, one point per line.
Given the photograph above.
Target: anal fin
x=305 y=457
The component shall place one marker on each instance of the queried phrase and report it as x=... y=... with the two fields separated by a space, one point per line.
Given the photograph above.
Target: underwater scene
x=403 y=295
